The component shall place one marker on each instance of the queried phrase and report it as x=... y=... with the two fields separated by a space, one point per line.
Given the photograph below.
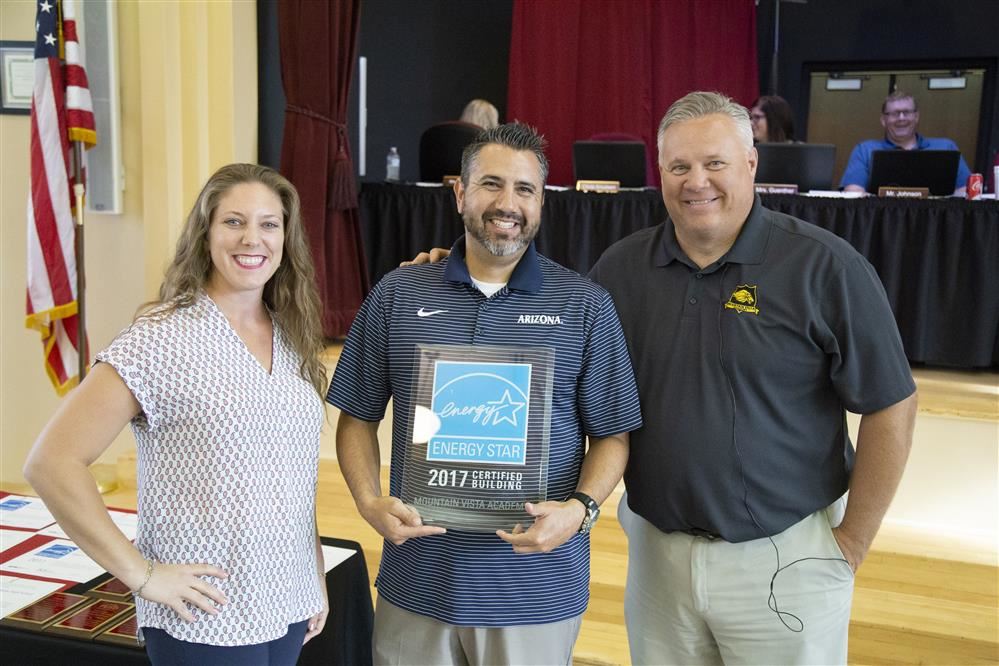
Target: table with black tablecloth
x=938 y=258
x=345 y=641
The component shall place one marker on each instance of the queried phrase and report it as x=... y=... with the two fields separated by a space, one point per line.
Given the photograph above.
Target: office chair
x=440 y=149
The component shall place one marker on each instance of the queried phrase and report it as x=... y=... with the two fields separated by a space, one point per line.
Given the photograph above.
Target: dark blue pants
x=163 y=649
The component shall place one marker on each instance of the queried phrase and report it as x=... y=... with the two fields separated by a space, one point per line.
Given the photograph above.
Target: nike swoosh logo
x=428 y=313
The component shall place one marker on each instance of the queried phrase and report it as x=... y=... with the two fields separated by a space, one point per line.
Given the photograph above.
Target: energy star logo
x=482 y=410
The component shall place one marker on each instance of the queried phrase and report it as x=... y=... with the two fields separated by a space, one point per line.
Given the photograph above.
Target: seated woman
x=221 y=381
x=480 y=112
x=772 y=119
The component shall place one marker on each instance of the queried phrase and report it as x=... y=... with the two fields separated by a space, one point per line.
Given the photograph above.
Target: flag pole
x=81 y=274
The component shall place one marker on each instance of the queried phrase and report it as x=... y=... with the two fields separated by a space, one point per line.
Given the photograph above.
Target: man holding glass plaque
x=500 y=364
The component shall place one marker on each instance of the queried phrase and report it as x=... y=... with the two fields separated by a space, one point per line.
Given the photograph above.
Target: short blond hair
x=898 y=96
x=699 y=104
x=480 y=112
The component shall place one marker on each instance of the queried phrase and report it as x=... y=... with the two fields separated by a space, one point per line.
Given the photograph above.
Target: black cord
x=772 y=598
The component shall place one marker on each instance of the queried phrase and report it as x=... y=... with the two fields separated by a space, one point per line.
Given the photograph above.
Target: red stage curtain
x=582 y=67
x=318 y=51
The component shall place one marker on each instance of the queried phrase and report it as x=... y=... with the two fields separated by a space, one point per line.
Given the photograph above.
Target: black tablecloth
x=938 y=258
x=346 y=639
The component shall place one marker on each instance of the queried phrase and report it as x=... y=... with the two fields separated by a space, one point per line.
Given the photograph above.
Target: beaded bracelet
x=149 y=574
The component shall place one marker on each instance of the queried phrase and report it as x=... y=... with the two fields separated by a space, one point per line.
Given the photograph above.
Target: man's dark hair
x=512 y=135
x=780 y=118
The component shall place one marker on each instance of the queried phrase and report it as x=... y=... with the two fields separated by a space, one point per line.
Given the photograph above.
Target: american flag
x=61 y=112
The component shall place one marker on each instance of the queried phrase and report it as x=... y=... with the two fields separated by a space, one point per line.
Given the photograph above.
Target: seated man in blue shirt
x=900 y=118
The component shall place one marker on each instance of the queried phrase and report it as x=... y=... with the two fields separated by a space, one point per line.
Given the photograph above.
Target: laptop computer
x=623 y=161
x=935 y=169
x=807 y=165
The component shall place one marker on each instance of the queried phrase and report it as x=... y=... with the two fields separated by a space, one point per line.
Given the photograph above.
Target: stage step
x=896 y=628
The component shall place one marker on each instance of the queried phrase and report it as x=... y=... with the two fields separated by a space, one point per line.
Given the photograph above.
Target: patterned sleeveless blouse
x=227 y=469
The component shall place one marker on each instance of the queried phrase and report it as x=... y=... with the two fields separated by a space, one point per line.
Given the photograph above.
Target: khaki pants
x=690 y=600
x=402 y=638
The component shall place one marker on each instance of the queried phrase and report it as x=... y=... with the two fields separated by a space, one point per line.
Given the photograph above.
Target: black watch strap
x=587 y=501
x=592 y=510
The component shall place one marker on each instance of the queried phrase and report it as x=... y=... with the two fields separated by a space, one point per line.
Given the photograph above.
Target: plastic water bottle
x=392 y=165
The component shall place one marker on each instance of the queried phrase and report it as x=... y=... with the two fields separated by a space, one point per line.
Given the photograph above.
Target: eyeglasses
x=901 y=113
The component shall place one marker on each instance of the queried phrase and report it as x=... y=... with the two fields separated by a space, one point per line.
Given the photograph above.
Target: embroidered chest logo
x=544 y=320
x=744 y=299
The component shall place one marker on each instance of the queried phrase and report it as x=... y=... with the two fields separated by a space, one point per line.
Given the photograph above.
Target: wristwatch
x=592 y=511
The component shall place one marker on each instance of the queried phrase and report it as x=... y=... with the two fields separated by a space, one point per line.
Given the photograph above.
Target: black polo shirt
x=745 y=369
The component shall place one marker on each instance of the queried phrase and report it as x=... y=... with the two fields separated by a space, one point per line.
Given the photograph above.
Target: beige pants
x=402 y=638
x=689 y=600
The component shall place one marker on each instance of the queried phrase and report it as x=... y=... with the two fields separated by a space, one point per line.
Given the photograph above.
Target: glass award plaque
x=477 y=435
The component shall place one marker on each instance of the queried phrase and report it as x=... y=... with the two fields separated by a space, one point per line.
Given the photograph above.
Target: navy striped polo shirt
x=469 y=578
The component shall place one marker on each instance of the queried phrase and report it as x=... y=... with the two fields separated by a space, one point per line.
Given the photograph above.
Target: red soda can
x=974 y=188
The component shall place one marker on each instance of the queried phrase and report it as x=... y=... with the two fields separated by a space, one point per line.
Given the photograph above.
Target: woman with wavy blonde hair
x=291 y=294
x=222 y=384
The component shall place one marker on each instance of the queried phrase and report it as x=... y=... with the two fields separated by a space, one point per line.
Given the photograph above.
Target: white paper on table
x=125 y=521
x=16 y=593
x=59 y=559
x=835 y=194
x=333 y=556
x=10 y=538
x=21 y=511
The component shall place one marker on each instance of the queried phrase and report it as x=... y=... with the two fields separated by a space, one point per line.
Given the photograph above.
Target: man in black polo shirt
x=751 y=333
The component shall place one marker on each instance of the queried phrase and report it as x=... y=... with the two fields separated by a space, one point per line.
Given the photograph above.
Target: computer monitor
x=935 y=169
x=623 y=161
x=807 y=165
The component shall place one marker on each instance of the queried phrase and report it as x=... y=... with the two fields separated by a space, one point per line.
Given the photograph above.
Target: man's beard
x=499 y=248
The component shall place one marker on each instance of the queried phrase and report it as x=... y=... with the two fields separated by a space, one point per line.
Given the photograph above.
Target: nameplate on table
x=45 y=611
x=892 y=192
x=776 y=188
x=478 y=435
x=599 y=186
x=449 y=181
x=91 y=619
